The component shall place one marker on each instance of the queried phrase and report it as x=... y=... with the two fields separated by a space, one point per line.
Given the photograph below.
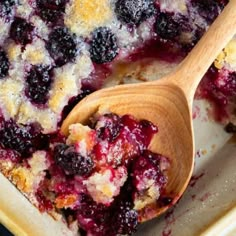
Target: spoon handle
x=195 y=65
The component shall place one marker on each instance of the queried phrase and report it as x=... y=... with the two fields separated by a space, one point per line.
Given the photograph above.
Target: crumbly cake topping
x=11 y=97
x=83 y=16
x=27 y=179
x=176 y=6
x=36 y=53
x=13 y=51
x=28 y=113
x=105 y=185
x=46 y=39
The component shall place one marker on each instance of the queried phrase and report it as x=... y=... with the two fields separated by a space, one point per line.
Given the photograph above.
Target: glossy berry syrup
x=120 y=148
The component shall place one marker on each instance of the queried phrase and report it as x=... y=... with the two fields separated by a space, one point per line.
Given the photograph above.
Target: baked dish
x=52 y=54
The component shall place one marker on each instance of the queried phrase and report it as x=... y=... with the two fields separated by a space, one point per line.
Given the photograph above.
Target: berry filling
x=113 y=174
x=166 y=27
x=103 y=176
x=21 y=31
x=219 y=87
x=71 y=161
x=4 y=64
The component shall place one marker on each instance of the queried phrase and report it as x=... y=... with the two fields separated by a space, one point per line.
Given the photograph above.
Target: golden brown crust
x=23 y=219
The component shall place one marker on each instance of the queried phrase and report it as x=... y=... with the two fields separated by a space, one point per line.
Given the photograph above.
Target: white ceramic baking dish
x=205 y=209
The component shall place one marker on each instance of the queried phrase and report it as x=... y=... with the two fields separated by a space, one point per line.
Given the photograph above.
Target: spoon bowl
x=167 y=103
x=174 y=138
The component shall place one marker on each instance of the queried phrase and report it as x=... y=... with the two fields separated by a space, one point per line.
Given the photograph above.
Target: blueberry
x=61 y=45
x=51 y=11
x=166 y=27
x=72 y=162
x=21 y=31
x=6 y=7
x=38 y=83
x=22 y=138
x=134 y=12
x=103 y=47
x=4 y=64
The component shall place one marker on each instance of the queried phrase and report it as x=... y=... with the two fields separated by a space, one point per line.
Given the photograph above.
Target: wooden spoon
x=168 y=104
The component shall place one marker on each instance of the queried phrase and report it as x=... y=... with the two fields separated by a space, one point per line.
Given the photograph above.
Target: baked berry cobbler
x=103 y=176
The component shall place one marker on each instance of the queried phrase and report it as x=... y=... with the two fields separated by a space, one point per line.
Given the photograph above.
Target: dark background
x=4 y=231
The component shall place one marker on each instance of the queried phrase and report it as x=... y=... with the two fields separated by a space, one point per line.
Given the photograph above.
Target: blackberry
x=93 y=217
x=21 y=31
x=61 y=46
x=73 y=101
x=4 y=64
x=166 y=27
x=125 y=219
x=51 y=11
x=103 y=46
x=147 y=166
x=22 y=138
x=134 y=12
x=38 y=83
x=110 y=128
x=230 y=128
x=208 y=9
x=72 y=162
x=6 y=7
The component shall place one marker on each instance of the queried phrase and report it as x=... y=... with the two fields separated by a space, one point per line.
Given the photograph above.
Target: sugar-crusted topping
x=151 y=195
x=40 y=27
x=6 y=166
x=83 y=16
x=24 y=9
x=66 y=85
x=28 y=179
x=83 y=66
x=176 y=6
x=10 y=97
x=66 y=201
x=36 y=53
x=13 y=51
x=105 y=185
x=28 y=113
x=4 y=30
x=83 y=137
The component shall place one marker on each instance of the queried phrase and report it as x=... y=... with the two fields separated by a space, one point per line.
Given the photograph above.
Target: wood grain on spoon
x=168 y=104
